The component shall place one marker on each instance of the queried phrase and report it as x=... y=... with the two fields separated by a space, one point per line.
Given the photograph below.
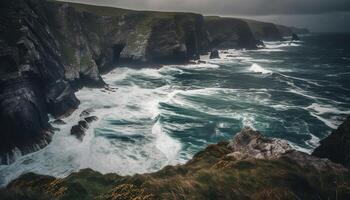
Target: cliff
x=229 y=33
x=49 y=49
x=264 y=31
x=95 y=38
x=336 y=147
x=247 y=167
x=32 y=80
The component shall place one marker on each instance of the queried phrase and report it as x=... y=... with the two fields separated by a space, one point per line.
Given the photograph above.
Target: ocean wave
x=258 y=69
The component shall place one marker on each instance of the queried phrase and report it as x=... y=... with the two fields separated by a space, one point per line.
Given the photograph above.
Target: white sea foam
x=166 y=144
x=147 y=148
x=276 y=45
x=258 y=69
x=323 y=109
x=199 y=67
x=314 y=141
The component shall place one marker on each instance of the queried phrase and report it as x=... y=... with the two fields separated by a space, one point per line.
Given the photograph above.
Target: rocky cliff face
x=49 y=49
x=228 y=33
x=32 y=81
x=97 y=38
x=336 y=147
x=264 y=31
x=248 y=167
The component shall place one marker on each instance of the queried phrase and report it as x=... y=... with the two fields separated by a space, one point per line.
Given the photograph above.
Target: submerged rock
x=336 y=147
x=87 y=112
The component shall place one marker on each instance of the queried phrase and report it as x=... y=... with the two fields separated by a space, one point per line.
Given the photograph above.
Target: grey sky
x=317 y=15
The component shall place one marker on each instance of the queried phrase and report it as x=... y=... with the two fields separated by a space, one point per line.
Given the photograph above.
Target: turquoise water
x=298 y=92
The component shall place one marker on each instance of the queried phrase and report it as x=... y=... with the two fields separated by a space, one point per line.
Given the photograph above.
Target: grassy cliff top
x=114 y=11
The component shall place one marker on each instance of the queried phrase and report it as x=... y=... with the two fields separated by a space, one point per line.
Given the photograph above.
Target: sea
x=153 y=117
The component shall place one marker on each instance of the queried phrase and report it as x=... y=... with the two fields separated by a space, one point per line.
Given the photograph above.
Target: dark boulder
x=78 y=131
x=214 y=54
x=83 y=124
x=91 y=119
x=59 y=122
x=336 y=147
x=260 y=43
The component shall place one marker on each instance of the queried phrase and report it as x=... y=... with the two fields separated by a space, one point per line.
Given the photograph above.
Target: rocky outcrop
x=229 y=33
x=250 y=144
x=265 y=169
x=336 y=147
x=32 y=81
x=80 y=129
x=214 y=54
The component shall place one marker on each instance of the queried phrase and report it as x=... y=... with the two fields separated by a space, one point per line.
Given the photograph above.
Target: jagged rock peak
x=251 y=144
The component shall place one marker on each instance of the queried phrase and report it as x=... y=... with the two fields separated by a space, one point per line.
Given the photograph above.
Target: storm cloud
x=318 y=15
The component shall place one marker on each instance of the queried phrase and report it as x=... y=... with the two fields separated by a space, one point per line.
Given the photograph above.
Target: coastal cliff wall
x=228 y=33
x=32 y=81
x=97 y=38
x=50 y=49
x=264 y=31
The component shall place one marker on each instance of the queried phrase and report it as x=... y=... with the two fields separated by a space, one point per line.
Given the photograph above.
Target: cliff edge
x=249 y=166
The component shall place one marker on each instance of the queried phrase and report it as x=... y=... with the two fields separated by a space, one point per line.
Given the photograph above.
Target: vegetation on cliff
x=248 y=167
